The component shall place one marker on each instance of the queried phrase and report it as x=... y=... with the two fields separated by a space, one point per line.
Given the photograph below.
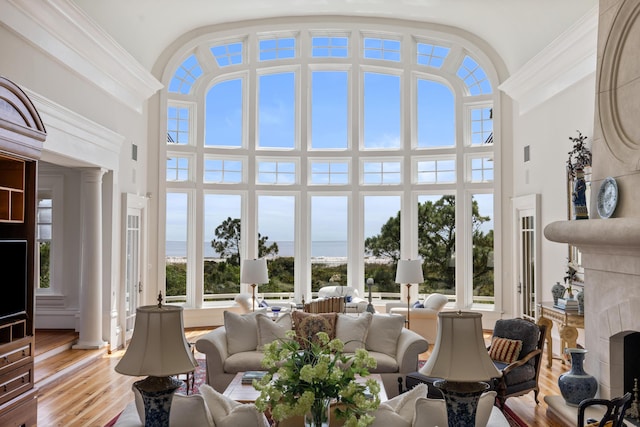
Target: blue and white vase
x=557 y=291
x=576 y=385
x=580 y=298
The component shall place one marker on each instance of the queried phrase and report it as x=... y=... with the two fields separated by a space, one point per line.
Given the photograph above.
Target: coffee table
x=245 y=393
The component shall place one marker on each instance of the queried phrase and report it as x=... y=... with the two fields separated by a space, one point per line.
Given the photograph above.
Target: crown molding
x=568 y=59
x=64 y=32
x=75 y=141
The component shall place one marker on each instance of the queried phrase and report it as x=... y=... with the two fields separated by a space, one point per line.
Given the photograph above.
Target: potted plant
x=306 y=375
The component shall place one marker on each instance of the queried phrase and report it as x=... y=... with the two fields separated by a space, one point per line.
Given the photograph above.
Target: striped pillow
x=505 y=350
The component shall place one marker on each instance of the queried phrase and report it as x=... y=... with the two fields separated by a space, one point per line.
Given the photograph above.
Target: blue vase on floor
x=576 y=385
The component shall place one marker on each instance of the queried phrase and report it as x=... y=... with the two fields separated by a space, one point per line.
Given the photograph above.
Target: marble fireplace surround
x=611 y=257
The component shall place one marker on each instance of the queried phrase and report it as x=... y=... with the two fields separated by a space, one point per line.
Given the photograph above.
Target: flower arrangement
x=302 y=372
x=579 y=156
x=571 y=276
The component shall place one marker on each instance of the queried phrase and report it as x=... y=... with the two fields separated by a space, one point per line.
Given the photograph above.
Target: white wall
x=546 y=130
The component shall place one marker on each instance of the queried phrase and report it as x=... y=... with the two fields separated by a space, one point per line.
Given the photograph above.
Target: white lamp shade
x=254 y=271
x=158 y=347
x=460 y=353
x=409 y=271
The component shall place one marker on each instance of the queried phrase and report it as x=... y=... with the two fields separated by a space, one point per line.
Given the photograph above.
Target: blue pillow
x=418 y=304
x=263 y=303
x=348 y=298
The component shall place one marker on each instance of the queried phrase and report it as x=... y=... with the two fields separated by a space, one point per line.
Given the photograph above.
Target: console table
x=568 y=322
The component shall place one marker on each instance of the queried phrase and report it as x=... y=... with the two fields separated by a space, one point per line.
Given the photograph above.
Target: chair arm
x=522 y=361
x=391 y=305
x=214 y=346
x=410 y=346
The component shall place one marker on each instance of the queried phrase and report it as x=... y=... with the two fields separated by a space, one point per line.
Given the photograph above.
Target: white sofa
x=235 y=347
x=356 y=305
x=423 y=320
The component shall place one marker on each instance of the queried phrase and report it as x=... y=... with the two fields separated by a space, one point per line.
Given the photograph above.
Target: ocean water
x=286 y=248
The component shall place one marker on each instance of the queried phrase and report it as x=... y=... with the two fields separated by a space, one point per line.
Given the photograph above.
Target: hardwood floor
x=95 y=393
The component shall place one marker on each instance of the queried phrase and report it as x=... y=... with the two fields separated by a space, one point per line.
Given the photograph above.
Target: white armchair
x=424 y=321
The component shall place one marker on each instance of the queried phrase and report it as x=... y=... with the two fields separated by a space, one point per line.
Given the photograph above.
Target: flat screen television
x=13 y=273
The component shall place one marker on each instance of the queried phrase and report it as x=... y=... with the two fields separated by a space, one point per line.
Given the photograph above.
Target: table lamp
x=254 y=272
x=461 y=359
x=409 y=271
x=159 y=349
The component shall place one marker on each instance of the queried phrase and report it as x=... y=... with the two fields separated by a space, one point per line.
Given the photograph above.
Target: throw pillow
x=403 y=406
x=385 y=330
x=307 y=325
x=505 y=350
x=186 y=411
x=263 y=303
x=241 y=331
x=229 y=413
x=433 y=412
x=418 y=304
x=270 y=329
x=353 y=331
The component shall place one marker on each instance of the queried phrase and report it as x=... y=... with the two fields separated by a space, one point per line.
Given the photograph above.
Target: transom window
x=332 y=150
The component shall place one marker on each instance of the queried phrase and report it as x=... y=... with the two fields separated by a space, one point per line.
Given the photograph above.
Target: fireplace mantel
x=613 y=235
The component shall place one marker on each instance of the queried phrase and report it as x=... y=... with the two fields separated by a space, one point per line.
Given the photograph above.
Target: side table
x=568 y=322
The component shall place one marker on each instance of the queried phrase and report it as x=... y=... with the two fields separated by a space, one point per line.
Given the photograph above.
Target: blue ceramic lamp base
x=157 y=394
x=462 y=400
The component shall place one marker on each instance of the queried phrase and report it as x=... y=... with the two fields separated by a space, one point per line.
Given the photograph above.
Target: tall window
x=332 y=150
x=44 y=236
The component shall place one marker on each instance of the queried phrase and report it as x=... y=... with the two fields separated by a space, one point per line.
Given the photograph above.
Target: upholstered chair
x=516 y=350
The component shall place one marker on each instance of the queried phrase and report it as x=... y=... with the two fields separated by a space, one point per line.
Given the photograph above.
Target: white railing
x=290 y=296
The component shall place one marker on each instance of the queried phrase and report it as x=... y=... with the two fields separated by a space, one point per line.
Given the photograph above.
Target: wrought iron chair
x=614 y=415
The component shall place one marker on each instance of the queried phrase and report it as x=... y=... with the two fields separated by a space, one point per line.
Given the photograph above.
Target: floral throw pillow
x=307 y=325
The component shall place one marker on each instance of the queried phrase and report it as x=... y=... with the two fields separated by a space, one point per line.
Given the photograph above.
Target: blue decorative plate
x=607 y=197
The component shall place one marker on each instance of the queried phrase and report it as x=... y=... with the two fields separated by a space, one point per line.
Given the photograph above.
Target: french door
x=526 y=256
x=133 y=280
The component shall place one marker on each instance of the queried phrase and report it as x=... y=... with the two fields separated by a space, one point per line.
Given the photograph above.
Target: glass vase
x=318 y=415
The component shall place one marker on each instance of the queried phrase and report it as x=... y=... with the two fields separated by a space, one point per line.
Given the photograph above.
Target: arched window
x=333 y=151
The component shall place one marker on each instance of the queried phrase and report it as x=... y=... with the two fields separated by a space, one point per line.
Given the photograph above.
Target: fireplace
x=611 y=247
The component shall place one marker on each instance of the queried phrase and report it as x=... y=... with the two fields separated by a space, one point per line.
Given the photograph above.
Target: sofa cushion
x=270 y=329
x=307 y=325
x=353 y=331
x=186 y=411
x=242 y=331
x=433 y=412
x=244 y=361
x=385 y=363
x=505 y=350
x=227 y=412
x=385 y=330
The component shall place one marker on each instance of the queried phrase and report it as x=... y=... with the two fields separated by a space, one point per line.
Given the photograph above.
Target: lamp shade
x=460 y=353
x=254 y=271
x=409 y=271
x=158 y=347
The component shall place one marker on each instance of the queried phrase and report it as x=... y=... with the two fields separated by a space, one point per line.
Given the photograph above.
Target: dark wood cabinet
x=21 y=136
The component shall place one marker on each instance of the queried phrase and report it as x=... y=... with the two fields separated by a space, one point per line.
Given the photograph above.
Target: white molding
x=568 y=59
x=63 y=31
x=73 y=140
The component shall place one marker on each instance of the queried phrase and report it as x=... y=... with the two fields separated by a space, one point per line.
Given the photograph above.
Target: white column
x=91 y=261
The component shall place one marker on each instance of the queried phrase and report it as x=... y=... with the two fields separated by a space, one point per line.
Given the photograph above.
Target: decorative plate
x=607 y=197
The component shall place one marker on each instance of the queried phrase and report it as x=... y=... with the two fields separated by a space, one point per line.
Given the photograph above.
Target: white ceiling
x=517 y=29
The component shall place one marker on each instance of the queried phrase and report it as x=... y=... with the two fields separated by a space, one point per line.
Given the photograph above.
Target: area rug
x=200 y=378
x=514 y=420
